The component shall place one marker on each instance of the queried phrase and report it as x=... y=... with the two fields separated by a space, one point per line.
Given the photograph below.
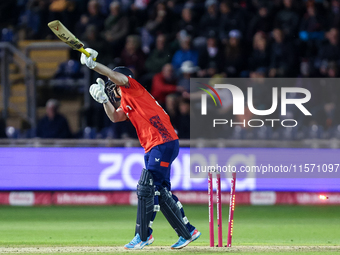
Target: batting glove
x=88 y=61
x=97 y=91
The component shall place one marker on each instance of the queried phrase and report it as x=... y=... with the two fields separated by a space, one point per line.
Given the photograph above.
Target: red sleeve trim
x=164 y=164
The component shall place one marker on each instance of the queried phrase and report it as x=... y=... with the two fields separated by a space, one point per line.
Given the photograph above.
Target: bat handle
x=82 y=50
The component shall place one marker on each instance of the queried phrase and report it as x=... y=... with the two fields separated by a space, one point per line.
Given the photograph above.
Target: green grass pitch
x=113 y=226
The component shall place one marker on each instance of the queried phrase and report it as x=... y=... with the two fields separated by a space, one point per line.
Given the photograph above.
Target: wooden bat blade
x=65 y=35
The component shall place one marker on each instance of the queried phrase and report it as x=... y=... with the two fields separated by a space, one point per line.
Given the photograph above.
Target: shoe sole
x=141 y=247
x=193 y=238
x=150 y=241
x=182 y=246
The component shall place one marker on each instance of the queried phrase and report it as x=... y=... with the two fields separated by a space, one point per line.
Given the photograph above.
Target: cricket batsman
x=160 y=142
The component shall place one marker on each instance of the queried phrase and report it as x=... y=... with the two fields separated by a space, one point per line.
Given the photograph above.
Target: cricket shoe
x=137 y=243
x=181 y=243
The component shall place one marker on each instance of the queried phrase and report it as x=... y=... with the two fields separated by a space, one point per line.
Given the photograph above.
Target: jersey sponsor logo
x=157 y=123
x=157 y=159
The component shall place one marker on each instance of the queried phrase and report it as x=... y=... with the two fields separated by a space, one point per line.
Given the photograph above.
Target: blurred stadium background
x=156 y=39
x=65 y=151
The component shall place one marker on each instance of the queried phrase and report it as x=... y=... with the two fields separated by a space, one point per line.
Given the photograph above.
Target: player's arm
x=117 y=78
x=97 y=91
x=113 y=114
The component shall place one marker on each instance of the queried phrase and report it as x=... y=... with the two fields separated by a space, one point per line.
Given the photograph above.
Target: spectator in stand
x=187 y=23
x=306 y=70
x=159 y=56
x=183 y=124
x=288 y=20
x=138 y=11
x=282 y=63
x=330 y=51
x=94 y=17
x=210 y=20
x=92 y=39
x=53 y=124
x=69 y=70
x=156 y=60
x=332 y=71
x=231 y=19
x=311 y=31
x=188 y=70
x=260 y=55
x=333 y=18
x=32 y=19
x=211 y=55
x=116 y=28
x=234 y=55
x=160 y=21
x=64 y=11
x=312 y=21
x=186 y=52
x=164 y=83
x=212 y=70
x=133 y=56
x=262 y=21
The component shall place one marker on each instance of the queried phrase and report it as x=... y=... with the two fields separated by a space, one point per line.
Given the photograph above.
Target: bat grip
x=82 y=50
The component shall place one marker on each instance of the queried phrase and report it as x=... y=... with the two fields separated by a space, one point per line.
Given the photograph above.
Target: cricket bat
x=67 y=37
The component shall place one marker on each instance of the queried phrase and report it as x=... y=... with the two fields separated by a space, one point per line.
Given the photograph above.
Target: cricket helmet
x=111 y=87
x=124 y=70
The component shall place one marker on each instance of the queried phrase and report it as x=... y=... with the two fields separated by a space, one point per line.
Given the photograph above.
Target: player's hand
x=88 y=61
x=97 y=91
